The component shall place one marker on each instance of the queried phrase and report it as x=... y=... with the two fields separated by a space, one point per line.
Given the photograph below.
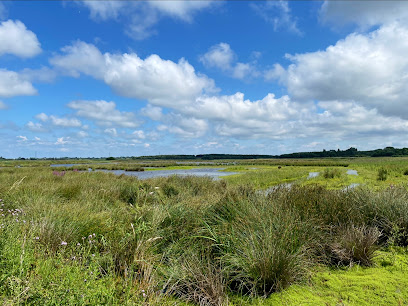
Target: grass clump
x=330 y=173
x=382 y=174
x=354 y=245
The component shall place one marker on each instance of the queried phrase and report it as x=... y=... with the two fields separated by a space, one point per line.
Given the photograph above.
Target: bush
x=382 y=174
x=330 y=173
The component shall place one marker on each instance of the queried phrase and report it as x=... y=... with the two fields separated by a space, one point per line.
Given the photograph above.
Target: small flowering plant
x=58 y=173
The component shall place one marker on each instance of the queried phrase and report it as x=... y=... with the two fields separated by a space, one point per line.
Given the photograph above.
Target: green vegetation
x=330 y=173
x=262 y=177
x=382 y=174
x=71 y=237
x=384 y=284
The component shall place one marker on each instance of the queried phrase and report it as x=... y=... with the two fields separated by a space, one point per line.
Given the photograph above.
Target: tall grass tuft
x=382 y=174
x=330 y=173
x=264 y=246
x=197 y=278
x=354 y=245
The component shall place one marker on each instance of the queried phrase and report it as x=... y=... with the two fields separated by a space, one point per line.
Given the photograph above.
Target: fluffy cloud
x=364 y=13
x=22 y=138
x=280 y=119
x=16 y=39
x=82 y=134
x=139 y=134
x=36 y=127
x=181 y=9
x=161 y=82
x=236 y=109
x=81 y=57
x=141 y=16
x=104 y=113
x=111 y=131
x=104 y=9
x=237 y=117
x=43 y=75
x=188 y=127
x=370 y=69
x=65 y=122
x=153 y=112
x=12 y=84
x=221 y=56
x=62 y=140
x=55 y=121
x=43 y=117
x=278 y=14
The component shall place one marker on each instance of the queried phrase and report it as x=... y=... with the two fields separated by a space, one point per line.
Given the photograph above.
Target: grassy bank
x=87 y=238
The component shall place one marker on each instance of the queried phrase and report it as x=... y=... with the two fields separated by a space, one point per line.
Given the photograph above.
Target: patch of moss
x=384 y=284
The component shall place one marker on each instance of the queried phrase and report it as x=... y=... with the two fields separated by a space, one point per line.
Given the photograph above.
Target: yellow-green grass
x=262 y=177
x=384 y=284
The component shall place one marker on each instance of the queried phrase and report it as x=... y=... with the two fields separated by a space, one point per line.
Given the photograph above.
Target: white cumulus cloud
x=104 y=113
x=22 y=138
x=277 y=13
x=111 y=131
x=140 y=17
x=64 y=122
x=364 y=13
x=55 y=121
x=16 y=39
x=222 y=57
x=35 y=127
x=161 y=82
x=12 y=84
x=367 y=68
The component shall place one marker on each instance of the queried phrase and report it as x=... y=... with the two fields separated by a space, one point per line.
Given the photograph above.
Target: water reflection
x=214 y=173
x=352 y=172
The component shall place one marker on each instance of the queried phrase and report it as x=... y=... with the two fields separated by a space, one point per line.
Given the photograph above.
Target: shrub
x=330 y=173
x=382 y=174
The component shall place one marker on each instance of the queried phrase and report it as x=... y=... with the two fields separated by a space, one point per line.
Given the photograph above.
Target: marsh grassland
x=77 y=237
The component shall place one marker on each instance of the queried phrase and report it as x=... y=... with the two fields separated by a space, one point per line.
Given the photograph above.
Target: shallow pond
x=73 y=165
x=313 y=174
x=352 y=172
x=214 y=173
x=66 y=165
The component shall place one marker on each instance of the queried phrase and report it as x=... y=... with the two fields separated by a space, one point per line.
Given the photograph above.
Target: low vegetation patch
x=94 y=237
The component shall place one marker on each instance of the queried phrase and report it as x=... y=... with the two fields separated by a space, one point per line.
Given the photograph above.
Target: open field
x=73 y=237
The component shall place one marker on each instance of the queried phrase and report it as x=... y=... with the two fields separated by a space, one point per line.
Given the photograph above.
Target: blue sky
x=131 y=78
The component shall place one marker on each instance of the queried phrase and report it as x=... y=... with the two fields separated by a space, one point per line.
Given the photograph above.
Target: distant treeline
x=205 y=157
x=351 y=152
